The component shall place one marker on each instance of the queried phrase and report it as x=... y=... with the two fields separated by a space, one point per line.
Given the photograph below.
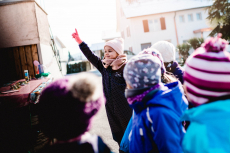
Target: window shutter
x=145 y=25
x=131 y=49
x=163 y=25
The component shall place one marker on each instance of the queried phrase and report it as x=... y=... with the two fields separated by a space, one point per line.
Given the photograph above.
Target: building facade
x=144 y=22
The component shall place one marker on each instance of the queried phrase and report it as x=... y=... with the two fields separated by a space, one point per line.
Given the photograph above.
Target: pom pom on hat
x=117 y=44
x=67 y=105
x=207 y=72
x=166 y=49
x=215 y=44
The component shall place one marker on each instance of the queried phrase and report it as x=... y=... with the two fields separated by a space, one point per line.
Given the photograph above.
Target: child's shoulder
x=156 y=109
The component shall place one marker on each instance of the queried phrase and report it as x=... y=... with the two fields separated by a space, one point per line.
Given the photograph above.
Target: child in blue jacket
x=156 y=125
x=207 y=82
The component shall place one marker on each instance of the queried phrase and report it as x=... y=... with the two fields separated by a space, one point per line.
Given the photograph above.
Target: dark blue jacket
x=177 y=71
x=156 y=123
x=117 y=107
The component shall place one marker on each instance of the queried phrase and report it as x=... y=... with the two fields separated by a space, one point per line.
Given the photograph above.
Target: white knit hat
x=166 y=49
x=117 y=44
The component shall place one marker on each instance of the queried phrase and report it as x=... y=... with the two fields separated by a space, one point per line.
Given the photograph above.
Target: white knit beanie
x=166 y=49
x=117 y=44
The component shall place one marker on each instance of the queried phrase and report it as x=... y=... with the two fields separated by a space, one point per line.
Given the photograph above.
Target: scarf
x=140 y=97
x=115 y=63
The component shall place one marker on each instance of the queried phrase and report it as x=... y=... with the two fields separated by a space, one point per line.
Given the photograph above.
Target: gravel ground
x=101 y=127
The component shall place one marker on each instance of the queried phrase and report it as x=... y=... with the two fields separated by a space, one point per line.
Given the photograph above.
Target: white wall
x=43 y=25
x=18 y=25
x=64 y=68
x=185 y=30
x=49 y=61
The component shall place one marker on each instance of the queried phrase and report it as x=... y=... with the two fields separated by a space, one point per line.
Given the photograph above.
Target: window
x=198 y=16
x=156 y=25
x=131 y=49
x=128 y=32
x=123 y=35
x=169 y=40
x=151 y=25
x=190 y=17
x=163 y=25
x=185 y=41
x=146 y=25
x=181 y=18
x=145 y=46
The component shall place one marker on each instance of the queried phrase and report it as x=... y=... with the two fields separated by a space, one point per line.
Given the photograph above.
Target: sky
x=89 y=17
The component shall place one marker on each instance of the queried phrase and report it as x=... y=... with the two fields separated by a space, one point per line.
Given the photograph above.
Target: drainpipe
x=176 y=29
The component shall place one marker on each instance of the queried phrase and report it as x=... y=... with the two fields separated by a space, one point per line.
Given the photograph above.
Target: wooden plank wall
x=13 y=62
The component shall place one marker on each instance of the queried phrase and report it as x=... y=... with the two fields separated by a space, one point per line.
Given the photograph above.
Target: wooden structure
x=14 y=60
x=24 y=37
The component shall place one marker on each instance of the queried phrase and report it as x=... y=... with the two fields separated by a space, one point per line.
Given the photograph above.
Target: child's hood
x=170 y=96
x=208 y=112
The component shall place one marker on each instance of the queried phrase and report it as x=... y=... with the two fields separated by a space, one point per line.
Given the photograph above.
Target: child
x=156 y=125
x=167 y=51
x=165 y=78
x=66 y=110
x=111 y=68
x=207 y=80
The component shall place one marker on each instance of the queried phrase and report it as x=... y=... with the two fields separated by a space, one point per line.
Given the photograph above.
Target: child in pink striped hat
x=207 y=81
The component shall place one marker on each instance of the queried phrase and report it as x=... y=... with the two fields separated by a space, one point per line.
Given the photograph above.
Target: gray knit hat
x=143 y=71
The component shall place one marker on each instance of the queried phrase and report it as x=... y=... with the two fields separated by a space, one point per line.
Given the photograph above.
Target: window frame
x=128 y=31
x=123 y=34
x=191 y=18
x=149 y=43
x=183 y=21
x=197 y=16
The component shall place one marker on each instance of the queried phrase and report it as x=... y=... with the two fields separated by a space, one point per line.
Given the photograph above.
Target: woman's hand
x=76 y=37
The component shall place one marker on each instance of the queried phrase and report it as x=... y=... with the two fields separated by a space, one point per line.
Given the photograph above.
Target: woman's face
x=110 y=53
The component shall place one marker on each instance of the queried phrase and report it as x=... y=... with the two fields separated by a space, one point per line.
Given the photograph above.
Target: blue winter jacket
x=156 y=123
x=209 y=129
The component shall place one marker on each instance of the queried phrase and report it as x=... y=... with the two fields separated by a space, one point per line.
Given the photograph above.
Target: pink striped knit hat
x=207 y=72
